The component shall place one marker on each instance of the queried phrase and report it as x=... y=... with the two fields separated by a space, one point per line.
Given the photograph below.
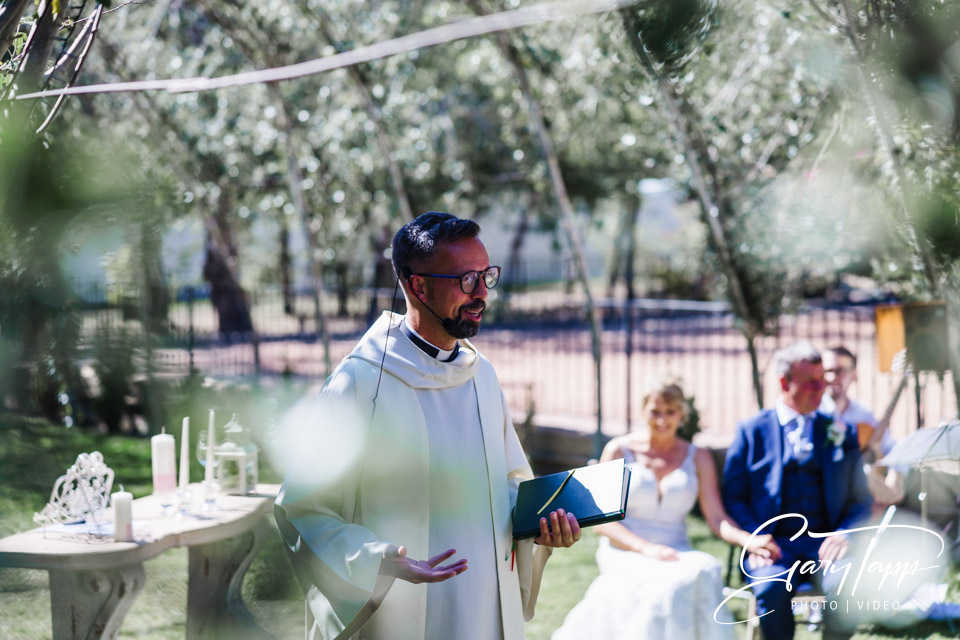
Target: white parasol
x=925 y=446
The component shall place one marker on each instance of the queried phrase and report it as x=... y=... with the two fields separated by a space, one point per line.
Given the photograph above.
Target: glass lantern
x=237 y=460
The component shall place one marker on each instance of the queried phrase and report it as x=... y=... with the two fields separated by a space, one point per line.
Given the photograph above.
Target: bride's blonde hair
x=670 y=390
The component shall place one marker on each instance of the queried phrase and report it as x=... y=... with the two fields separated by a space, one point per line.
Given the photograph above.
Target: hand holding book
x=558 y=529
x=595 y=494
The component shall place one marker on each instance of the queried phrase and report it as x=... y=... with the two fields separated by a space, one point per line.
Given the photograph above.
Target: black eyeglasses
x=470 y=279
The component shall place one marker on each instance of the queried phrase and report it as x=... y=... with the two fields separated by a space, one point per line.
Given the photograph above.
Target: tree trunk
x=621 y=246
x=714 y=203
x=952 y=291
x=10 y=15
x=631 y=212
x=219 y=269
x=286 y=280
x=513 y=265
x=884 y=134
x=566 y=208
x=755 y=368
x=383 y=275
x=292 y=174
x=149 y=394
x=34 y=63
x=226 y=295
x=155 y=298
x=294 y=180
x=342 y=272
x=948 y=288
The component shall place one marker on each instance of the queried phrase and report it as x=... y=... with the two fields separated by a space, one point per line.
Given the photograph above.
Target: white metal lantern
x=237 y=460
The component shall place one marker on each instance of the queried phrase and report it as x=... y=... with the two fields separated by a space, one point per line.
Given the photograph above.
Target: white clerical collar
x=786 y=415
x=443 y=355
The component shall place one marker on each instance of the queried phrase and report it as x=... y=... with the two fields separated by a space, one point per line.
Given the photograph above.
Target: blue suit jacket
x=753 y=472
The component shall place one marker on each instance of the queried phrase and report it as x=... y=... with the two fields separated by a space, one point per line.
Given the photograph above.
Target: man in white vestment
x=397 y=509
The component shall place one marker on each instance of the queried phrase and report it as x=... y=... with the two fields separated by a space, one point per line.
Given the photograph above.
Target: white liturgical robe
x=432 y=464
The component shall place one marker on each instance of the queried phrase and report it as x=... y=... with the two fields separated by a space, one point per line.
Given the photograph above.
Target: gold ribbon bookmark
x=557 y=492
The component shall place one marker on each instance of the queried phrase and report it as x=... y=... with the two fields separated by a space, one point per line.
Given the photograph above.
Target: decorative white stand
x=80 y=495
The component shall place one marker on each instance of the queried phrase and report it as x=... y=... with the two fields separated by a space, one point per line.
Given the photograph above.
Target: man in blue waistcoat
x=792 y=461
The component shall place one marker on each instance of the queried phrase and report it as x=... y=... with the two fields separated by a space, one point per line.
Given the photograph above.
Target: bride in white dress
x=652 y=584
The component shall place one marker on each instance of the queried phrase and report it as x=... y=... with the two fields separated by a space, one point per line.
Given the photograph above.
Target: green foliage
x=34 y=453
x=674 y=30
x=271 y=576
x=939 y=221
x=804 y=188
x=691 y=425
x=114 y=352
x=42 y=191
x=7 y=63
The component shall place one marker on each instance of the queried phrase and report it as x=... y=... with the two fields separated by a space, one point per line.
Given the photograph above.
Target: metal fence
x=540 y=345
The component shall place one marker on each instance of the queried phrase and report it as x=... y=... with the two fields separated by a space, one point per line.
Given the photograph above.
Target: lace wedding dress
x=637 y=597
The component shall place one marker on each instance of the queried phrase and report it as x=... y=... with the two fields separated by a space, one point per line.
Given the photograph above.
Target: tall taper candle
x=122 y=502
x=163 y=452
x=211 y=442
x=185 y=454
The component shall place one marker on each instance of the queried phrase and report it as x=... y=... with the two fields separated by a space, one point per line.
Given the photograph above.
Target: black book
x=594 y=494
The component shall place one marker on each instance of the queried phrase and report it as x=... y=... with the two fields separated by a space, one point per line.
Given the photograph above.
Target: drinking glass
x=210 y=487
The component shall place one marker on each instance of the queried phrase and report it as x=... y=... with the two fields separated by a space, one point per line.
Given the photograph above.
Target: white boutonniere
x=836 y=434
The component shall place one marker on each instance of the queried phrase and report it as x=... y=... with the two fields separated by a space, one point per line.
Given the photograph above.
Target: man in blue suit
x=793 y=460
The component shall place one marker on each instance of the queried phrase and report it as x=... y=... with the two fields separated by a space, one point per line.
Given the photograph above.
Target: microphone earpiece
x=449 y=324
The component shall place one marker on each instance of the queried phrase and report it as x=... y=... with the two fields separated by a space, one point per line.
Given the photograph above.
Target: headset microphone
x=376 y=393
x=449 y=324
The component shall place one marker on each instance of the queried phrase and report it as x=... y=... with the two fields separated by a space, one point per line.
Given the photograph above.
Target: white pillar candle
x=122 y=502
x=163 y=453
x=211 y=442
x=185 y=454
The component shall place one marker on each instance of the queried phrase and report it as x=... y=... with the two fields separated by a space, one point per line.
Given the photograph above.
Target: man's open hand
x=562 y=531
x=396 y=563
x=765 y=547
x=834 y=548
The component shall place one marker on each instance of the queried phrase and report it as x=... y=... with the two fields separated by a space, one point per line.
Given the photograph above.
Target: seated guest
x=652 y=584
x=839 y=372
x=793 y=460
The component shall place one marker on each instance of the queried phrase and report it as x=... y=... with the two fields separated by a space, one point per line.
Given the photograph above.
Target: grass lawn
x=34 y=453
x=570 y=572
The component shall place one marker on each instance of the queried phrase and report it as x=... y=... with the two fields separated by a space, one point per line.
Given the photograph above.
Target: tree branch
x=563 y=202
x=826 y=15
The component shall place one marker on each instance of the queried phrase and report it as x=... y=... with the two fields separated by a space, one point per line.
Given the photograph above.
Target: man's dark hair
x=843 y=351
x=417 y=240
